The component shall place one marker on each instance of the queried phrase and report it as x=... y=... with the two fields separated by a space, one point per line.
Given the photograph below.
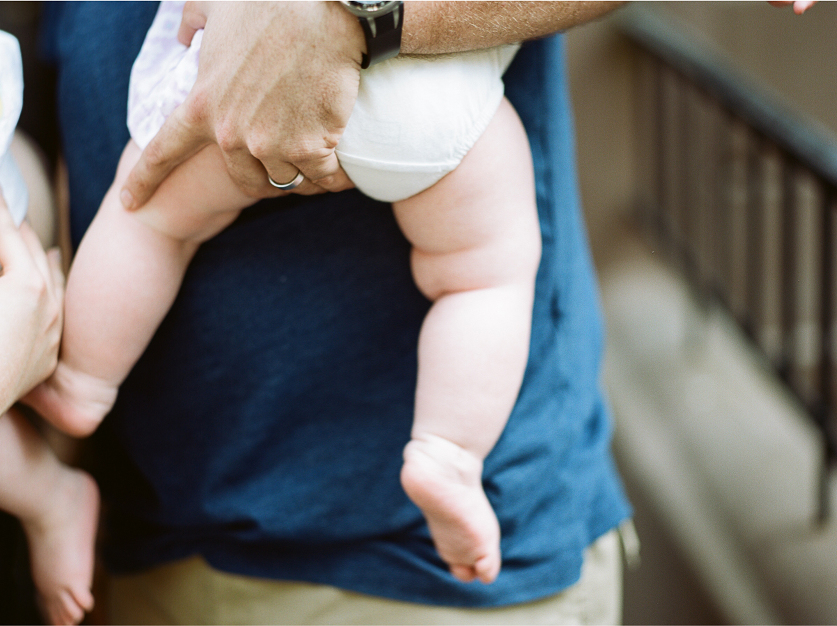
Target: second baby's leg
x=476 y=250
x=59 y=509
x=123 y=280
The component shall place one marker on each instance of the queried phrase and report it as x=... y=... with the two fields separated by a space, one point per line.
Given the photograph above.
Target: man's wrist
x=444 y=26
x=345 y=26
x=381 y=22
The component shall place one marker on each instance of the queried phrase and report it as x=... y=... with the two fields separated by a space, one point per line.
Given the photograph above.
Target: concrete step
x=723 y=454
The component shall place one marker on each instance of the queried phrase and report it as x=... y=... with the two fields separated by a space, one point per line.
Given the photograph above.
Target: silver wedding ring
x=296 y=182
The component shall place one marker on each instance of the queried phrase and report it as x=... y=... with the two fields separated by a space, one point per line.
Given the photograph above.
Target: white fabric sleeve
x=162 y=75
x=14 y=188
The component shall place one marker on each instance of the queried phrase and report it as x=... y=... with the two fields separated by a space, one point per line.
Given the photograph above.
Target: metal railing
x=742 y=194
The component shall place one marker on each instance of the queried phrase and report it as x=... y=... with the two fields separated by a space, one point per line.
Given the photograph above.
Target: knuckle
x=227 y=135
x=330 y=140
x=194 y=110
x=154 y=156
x=37 y=294
x=307 y=150
x=57 y=312
x=313 y=160
x=323 y=170
x=53 y=348
x=37 y=286
x=225 y=139
x=326 y=182
x=261 y=147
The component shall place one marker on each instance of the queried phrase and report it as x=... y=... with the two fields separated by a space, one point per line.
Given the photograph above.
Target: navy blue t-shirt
x=264 y=425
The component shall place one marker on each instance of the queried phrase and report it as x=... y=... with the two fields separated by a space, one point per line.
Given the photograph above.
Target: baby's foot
x=445 y=482
x=72 y=401
x=61 y=548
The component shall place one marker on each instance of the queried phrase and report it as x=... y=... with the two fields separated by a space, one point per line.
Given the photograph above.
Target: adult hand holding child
x=234 y=105
x=31 y=309
x=57 y=505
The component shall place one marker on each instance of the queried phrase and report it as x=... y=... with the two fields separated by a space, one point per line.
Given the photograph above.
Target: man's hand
x=31 y=309
x=276 y=85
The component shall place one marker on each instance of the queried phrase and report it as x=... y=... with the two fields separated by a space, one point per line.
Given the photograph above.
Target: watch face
x=371 y=7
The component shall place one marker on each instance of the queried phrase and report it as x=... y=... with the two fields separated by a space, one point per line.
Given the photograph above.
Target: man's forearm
x=440 y=27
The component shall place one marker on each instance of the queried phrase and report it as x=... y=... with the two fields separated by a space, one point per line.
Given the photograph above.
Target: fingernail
x=127 y=199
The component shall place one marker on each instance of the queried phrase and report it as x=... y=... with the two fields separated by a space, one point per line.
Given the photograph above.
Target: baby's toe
x=84 y=598
x=71 y=612
x=464 y=573
x=487 y=568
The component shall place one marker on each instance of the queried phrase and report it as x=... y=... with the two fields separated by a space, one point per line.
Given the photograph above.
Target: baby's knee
x=511 y=261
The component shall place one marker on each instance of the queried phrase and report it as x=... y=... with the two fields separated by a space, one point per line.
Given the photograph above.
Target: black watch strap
x=383 y=36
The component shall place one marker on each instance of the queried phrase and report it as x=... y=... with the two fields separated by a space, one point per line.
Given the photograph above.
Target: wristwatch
x=381 y=21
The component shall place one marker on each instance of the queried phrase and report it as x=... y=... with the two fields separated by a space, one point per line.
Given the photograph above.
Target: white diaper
x=11 y=102
x=414 y=119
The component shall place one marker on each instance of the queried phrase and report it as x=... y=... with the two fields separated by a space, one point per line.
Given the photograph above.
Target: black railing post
x=724 y=201
x=684 y=175
x=682 y=67
x=659 y=151
x=788 y=279
x=825 y=408
x=754 y=236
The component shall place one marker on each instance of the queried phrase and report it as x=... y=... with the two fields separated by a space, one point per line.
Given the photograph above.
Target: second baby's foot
x=72 y=401
x=61 y=548
x=445 y=481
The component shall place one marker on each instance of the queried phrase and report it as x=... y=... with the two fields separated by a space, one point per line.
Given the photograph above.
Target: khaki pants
x=191 y=592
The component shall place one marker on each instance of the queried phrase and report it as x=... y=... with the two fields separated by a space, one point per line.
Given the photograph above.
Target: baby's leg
x=476 y=249
x=123 y=281
x=59 y=509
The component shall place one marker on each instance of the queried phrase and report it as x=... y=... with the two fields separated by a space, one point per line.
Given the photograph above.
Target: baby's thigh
x=195 y=202
x=478 y=226
x=489 y=198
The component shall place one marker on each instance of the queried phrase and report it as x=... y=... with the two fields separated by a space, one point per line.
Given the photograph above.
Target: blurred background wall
x=791 y=56
x=706 y=438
